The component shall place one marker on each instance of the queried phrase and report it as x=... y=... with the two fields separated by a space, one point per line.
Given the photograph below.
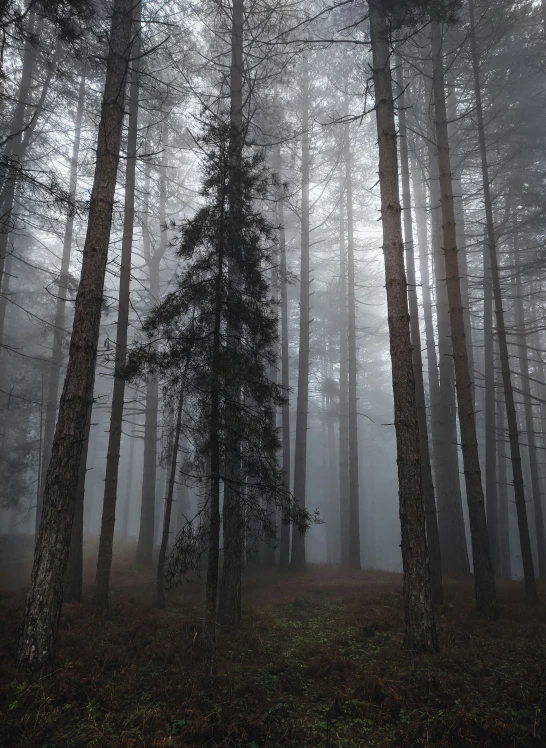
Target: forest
x=272 y=373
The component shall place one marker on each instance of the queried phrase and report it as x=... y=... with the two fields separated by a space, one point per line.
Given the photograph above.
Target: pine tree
x=226 y=249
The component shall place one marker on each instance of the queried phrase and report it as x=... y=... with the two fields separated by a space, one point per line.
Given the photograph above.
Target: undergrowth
x=317 y=671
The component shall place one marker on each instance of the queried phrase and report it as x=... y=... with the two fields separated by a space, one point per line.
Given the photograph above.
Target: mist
x=272 y=374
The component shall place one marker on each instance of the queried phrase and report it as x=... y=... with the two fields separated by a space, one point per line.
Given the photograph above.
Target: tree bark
x=300 y=454
x=525 y=542
x=36 y=647
x=431 y=518
x=420 y=630
x=486 y=598
x=73 y=578
x=60 y=308
x=106 y=541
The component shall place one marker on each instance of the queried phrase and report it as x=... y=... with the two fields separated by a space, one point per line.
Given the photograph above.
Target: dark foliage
x=227 y=250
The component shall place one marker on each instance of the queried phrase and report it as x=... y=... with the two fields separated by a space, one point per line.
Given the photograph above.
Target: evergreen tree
x=226 y=251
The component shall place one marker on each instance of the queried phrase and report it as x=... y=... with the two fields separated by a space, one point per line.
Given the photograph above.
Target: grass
x=316 y=662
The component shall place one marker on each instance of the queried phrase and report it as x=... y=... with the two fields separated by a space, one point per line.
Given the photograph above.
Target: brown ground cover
x=316 y=662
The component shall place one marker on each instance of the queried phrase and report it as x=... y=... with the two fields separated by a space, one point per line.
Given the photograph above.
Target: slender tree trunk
x=490 y=420
x=460 y=229
x=455 y=561
x=60 y=309
x=104 y=561
x=354 y=497
x=300 y=455
x=420 y=629
x=168 y=507
x=9 y=198
x=284 y=550
x=145 y=545
x=73 y=578
x=504 y=521
x=229 y=605
x=36 y=647
x=534 y=459
x=14 y=147
x=486 y=599
x=433 y=536
x=213 y=513
x=343 y=389
x=128 y=487
x=525 y=542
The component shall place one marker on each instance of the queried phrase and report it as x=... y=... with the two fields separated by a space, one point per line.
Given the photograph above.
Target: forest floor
x=317 y=662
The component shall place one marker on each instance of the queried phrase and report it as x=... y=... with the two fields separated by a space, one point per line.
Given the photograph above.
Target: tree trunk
x=60 y=309
x=9 y=198
x=229 y=606
x=460 y=229
x=145 y=545
x=354 y=497
x=486 y=599
x=525 y=542
x=104 y=561
x=420 y=629
x=444 y=425
x=300 y=454
x=433 y=536
x=14 y=147
x=284 y=550
x=490 y=420
x=343 y=390
x=73 y=578
x=168 y=506
x=43 y=605
x=504 y=522
x=128 y=487
x=534 y=459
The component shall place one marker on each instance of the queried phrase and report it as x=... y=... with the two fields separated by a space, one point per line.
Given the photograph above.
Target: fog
x=242 y=180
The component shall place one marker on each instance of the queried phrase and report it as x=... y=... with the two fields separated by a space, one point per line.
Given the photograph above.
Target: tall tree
x=104 y=561
x=420 y=629
x=36 y=646
x=302 y=408
x=343 y=388
x=486 y=599
x=354 y=497
x=517 y=473
x=229 y=604
x=60 y=307
x=284 y=549
x=433 y=536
